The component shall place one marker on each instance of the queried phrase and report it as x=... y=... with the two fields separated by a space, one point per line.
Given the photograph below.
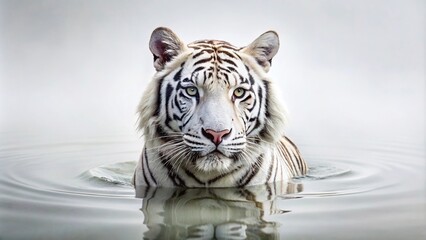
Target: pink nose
x=215 y=136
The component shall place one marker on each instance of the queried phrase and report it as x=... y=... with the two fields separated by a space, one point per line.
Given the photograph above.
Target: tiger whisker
x=182 y=157
x=170 y=144
x=175 y=150
x=163 y=137
x=255 y=163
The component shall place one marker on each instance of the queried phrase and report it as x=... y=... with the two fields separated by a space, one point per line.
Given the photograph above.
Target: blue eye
x=191 y=91
x=239 y=92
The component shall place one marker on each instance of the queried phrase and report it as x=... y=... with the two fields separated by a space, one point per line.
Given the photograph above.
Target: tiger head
x=211 y=104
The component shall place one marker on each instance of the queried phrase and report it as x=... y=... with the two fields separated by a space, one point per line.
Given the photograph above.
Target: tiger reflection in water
x=213 y=213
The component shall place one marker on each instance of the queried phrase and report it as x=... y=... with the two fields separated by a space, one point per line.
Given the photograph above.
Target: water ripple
x=90 y=182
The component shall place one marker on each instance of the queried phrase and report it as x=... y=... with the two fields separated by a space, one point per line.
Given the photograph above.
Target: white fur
x=263 y=153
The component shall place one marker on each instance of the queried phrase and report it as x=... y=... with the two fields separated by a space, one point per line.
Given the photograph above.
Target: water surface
x=80 y=189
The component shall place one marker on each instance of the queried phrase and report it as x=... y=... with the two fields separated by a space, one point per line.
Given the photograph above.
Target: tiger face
x=210 y=105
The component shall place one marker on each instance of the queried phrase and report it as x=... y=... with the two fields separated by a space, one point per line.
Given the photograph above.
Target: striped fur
x=211 y=116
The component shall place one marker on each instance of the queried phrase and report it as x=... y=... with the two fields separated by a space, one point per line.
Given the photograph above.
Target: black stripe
x=143 y=170
x=185 y=116
x=253 y=105
x=270 y=194
x=179 y=85
x=244 y=80
x=234 y=149
x=149 y=169
x=238 y=55
x=195 y=143
x=160 y=132
x=251 y=79
x=232 y=69
x=194 y=177
x=260 y=94
x=186 y=80
x=254 y=169
x=178 y=75
x=159 y=98
x=226 y=78
x=235 y=144
x=245 y=123
x=187 y=121
x=194 y=136
x=176 y=117
x=276 y=172
x=301 y=162
x=197 y=54
x=267 y=114
x=230 y=62
x=271 y=165
x=242 y=179
x=172 y=103
x=226 y=53
x=247 y=98
x=177 y=104
x=283 y=151
x=204 y=77
x=223 y=175
x=177 y=181
x=290 y=163
x=264 y=131
x=225 y=69
x=256 y=126
x=182 y=95
x=203 y=61
x=197 y=70
x=169 y=90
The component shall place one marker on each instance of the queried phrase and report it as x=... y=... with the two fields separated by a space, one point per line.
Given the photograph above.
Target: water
x=57 y=188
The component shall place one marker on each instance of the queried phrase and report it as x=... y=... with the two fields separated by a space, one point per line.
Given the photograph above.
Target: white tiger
x=211 y=116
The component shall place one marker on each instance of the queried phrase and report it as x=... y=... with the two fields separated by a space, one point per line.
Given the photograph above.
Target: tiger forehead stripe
x=215 y=43
x=202 y=52
x=214 y=46
x=222 y=59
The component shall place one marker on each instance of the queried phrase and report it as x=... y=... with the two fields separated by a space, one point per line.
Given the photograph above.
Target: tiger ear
x=164 y=45
x=264 y=48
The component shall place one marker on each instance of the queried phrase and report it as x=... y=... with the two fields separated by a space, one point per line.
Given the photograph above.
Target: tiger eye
x=239 y=92
x=191 y=91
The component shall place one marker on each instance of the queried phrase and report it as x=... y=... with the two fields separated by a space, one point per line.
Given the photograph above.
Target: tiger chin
x=211 y=117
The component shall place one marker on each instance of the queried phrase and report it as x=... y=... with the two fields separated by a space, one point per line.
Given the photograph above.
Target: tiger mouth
x=215 y=151
x=216 y=154
x=212 y=162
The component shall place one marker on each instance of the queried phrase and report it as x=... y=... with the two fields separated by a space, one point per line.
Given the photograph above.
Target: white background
x=345 y=68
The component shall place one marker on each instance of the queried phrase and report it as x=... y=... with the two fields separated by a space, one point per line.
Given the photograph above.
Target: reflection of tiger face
x=214 y=213
x=211 y=117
